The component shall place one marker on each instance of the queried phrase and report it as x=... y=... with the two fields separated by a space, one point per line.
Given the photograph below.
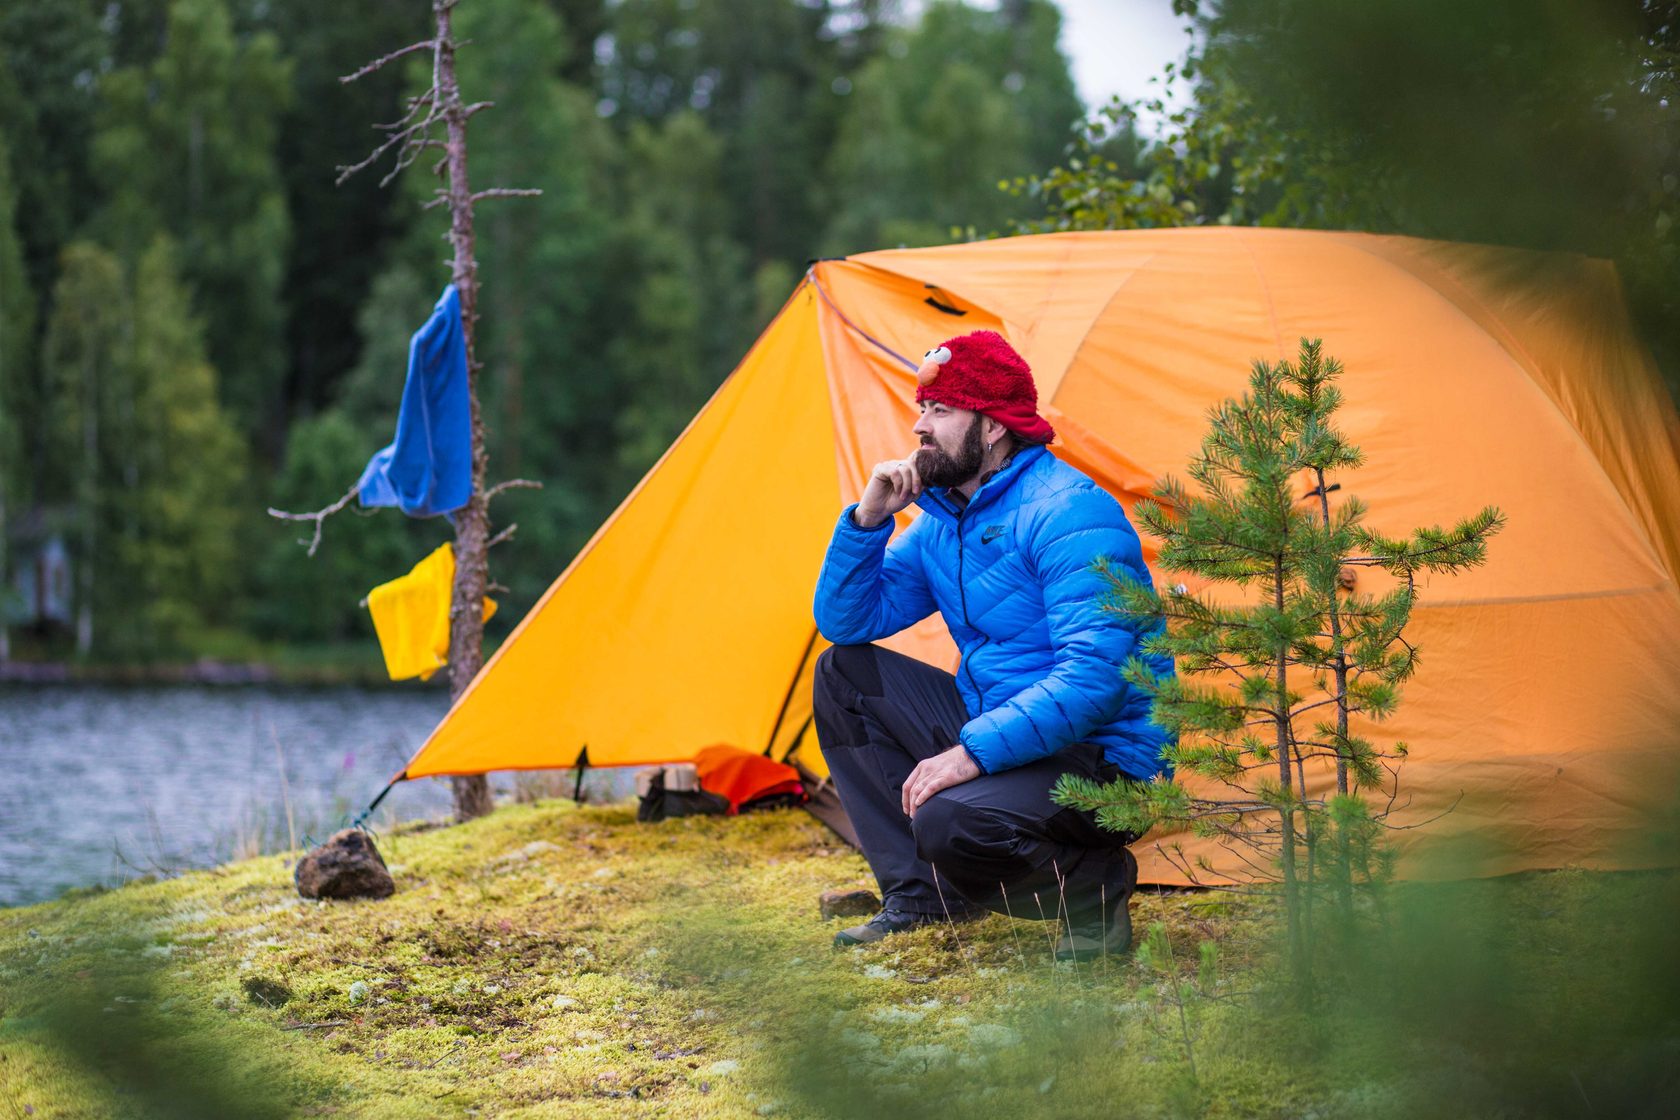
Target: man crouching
x=948 y=779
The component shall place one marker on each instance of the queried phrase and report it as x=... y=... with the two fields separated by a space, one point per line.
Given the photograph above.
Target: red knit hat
x=982 y=372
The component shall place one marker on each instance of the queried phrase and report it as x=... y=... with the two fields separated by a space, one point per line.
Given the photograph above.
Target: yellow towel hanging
x=411 y=616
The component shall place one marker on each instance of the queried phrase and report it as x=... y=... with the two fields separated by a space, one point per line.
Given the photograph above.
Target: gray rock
x=847 y=904
x=346 y=866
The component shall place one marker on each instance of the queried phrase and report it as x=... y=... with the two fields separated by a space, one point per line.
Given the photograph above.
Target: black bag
x=658 y=802
x=774 y=801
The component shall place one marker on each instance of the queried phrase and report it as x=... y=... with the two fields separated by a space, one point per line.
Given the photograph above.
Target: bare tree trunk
x=412 y=136
x=466 y=618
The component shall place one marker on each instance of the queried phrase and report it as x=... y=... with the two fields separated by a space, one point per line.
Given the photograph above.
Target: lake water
x=101 y=784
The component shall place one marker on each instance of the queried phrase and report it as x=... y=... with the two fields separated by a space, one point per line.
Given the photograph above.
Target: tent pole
x=788 y=699
x=797 y=735
x=374 y=804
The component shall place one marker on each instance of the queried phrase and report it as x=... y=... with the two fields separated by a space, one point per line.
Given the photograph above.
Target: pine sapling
x=1270 y=676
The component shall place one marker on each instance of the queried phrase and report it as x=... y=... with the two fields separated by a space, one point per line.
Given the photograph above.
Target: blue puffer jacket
x=1012 y=575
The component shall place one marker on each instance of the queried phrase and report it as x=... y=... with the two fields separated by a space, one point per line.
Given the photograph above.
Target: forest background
x=196 y=323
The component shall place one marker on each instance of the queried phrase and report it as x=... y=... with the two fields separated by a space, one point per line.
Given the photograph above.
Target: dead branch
x=318 y=516
x=506 y=192
x=1261 y=873
x=400 y=136
x=504 y=535
x=414 y=105
x=381 y=63
x=412 y=149
x=512 y=484
x=1422 y=823
x=1176 y=857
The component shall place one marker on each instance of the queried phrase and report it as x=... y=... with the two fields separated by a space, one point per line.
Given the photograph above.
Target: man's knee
x=950 y=832
x=846 y=670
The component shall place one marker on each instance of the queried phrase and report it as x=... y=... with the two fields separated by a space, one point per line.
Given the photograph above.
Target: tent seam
x=1495 y=601
x=1265 y=286
x=826 y=298
x=1092 y=325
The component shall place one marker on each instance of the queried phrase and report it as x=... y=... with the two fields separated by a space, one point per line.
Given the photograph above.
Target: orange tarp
x=1544 y=724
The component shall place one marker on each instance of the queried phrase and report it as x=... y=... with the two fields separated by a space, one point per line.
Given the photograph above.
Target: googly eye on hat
x=931 y=361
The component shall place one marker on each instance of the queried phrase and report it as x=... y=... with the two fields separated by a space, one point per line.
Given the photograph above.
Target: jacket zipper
x=962 y=593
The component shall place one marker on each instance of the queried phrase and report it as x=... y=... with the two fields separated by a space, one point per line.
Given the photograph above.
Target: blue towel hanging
x=427 y=469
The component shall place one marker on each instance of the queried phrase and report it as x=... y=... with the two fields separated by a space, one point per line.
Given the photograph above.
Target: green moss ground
x=552 y=960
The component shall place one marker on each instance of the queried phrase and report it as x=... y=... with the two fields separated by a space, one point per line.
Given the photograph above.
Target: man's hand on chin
x=942 y=771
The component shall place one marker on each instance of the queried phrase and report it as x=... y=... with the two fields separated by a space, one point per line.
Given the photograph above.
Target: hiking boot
x=891 y=921
x=1109 y=932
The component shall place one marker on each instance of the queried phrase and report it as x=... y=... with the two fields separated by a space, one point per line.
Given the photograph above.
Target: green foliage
x=1108 y=179
x=48 y=52
x=764 y=75
x=186 y=145
x=17 y=341
x=317 y=599
x=84 y=364
x=369 y=393
x=962 y=100
x=139 y=442
x=1253 y=727
x=342 y=233
x=684 y=330
x=182 y=540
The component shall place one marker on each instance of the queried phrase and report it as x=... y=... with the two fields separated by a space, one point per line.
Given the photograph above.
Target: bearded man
x=948 y=780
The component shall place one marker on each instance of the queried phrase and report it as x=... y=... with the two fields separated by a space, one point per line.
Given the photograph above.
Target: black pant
x=998 y=842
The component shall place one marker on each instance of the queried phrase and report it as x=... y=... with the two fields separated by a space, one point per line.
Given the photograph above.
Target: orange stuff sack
x=743 y=777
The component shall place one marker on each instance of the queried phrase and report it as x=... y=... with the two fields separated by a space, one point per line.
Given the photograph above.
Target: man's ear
x=992 y=430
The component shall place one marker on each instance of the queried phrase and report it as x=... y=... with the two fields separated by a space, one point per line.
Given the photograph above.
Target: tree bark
x=466 y=619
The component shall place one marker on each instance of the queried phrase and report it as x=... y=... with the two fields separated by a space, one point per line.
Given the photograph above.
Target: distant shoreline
x=205 y=671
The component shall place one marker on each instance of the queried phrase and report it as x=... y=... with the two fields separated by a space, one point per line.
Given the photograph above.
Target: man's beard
x=937 y=468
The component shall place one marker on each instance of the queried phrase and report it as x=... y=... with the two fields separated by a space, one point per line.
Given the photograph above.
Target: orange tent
x=1545 y=720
